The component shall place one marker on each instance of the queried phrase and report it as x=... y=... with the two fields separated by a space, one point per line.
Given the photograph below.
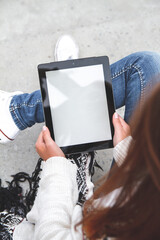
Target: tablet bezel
x=103 y=60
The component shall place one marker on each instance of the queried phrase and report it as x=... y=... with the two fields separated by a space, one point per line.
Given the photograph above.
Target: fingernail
x=116 y=115
x=44 y=128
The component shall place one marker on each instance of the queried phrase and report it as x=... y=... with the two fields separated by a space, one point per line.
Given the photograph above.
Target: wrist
x=121 y=149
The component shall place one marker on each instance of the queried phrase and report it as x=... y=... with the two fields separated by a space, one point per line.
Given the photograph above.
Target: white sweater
x=55 y=213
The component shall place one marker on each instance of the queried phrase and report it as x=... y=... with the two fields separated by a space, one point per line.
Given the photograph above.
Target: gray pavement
x=28 y=33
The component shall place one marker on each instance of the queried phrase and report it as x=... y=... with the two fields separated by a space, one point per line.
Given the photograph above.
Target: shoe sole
x=4 y=138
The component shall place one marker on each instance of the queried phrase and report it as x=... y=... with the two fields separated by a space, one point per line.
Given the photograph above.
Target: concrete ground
x=28 y=33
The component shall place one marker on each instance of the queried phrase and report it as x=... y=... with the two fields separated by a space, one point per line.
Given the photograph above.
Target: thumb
x=46 y=135
x=116 y=121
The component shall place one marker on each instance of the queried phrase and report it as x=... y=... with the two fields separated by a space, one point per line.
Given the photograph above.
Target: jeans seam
x=12 y=109
x=24 y=104
x=123 y=70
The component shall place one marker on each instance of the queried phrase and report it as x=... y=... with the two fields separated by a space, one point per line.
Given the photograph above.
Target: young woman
x=125 y=206
x=134 y=213
x=58 y=206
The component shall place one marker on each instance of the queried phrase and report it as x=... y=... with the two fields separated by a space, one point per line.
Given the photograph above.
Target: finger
x=52 y=147
x=116 y=121
x=39 y=142
x=46 y=135
x=40 y=139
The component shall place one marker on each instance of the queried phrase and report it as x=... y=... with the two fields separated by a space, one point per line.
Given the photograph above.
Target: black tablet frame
x=43 y=68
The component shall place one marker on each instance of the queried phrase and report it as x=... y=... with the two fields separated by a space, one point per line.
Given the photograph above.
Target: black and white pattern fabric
x=8 y=222
x=85 y=163
x=14 y=203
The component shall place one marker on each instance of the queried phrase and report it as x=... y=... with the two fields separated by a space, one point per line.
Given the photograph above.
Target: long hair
x=135 y=212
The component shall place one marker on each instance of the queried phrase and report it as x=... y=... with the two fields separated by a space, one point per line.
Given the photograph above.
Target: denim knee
x=149 y=62
x=149 y=65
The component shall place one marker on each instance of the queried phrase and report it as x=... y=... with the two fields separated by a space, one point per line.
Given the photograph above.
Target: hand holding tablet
x=78 y=103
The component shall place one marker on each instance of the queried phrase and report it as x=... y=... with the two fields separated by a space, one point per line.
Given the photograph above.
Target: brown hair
x=135 y=214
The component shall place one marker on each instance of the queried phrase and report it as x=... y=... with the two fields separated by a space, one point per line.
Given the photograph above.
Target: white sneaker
x=8 y=129
x=66 y=49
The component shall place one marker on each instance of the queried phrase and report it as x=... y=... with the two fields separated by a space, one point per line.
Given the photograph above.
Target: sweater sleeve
x=54 y=213
x=121 y=149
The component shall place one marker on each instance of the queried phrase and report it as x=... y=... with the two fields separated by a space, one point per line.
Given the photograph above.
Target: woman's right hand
x=46 y=147
x=121 y=129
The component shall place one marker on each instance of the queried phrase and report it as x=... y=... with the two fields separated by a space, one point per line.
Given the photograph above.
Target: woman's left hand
x=121 y=129
x=46 y=147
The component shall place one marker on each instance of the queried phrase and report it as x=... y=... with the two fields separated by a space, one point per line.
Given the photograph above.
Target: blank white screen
x=78 y=105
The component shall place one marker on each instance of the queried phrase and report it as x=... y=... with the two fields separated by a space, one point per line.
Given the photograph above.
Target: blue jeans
x=132 y=76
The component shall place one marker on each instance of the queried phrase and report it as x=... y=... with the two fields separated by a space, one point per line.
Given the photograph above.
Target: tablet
x=78 y=103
